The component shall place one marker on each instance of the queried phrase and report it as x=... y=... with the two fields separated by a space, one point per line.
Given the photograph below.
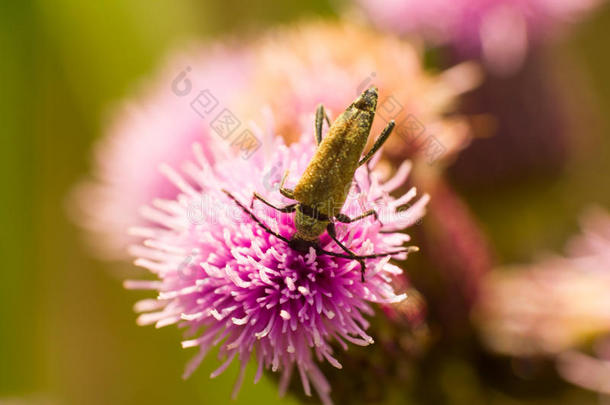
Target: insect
x=323 y=188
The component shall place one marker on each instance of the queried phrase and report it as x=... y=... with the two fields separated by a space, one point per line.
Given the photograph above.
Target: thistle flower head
x=557 y=308
x=301 y=66
x=499 y=31
x=554 y=305
x=231 y=284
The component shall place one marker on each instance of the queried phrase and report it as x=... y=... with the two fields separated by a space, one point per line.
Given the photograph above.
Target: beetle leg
x=407 y=250
x=320 y=116
x=330 y=228
x=254 y=218
x=286 y=192
x=288 y=208
x=368 y=173
x=346 y=220
x=379 y=142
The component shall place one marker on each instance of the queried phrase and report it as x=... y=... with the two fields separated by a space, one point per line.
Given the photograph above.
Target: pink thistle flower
x=157 y=127
x=297 y=65
x=555 y=305
x=499 y=31
x=232 y=284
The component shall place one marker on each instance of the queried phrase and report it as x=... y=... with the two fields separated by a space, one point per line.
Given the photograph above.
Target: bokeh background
x=67 y=332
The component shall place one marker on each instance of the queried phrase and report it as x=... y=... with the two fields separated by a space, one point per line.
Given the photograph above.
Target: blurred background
x=67 y=332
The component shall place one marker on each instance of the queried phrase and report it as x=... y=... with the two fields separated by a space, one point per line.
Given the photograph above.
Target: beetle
x=323 y=188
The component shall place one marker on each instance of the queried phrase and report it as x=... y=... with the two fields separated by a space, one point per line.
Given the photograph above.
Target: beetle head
x=367 y=101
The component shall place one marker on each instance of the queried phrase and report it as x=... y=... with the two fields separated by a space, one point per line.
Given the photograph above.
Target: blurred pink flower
x=554 y=305
x=300 y=66
x=499 y=31
x=232 y=284
x=589 y=372
x=159 y=126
